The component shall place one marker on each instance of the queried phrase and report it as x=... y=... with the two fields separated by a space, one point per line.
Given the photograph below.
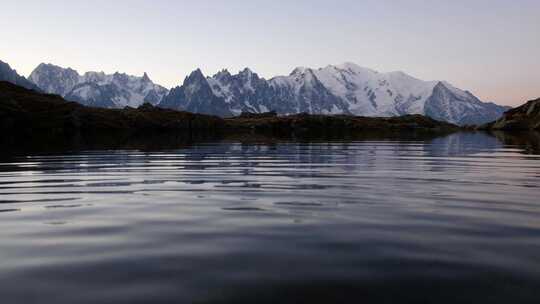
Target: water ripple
x=225 y=222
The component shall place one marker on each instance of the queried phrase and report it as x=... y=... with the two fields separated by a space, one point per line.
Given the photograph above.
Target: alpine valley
x=335 y=89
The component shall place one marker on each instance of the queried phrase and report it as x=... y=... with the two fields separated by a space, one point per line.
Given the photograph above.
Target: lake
x=454 y=219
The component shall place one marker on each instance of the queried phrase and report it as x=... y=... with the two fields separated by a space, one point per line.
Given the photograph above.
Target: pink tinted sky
x=489 y=47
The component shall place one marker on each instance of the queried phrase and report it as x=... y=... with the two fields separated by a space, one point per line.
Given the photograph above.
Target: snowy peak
x=448 y=103
x=97 y=88
x=368 y=92
x=345 y=88
x=351 y=68
x=298 y=71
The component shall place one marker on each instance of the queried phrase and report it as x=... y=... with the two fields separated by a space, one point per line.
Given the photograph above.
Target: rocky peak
x=298 y=71
x=246 y=71
x=45 y=71
x=121 y=77
x=195 y=77
x=223 y=76
x=145 y=78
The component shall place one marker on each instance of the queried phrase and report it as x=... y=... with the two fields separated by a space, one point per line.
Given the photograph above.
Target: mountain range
x=97 y=89
x=335 y=89
x=341 y=89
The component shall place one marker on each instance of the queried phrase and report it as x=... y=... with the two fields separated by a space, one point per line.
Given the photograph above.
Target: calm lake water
x=454 y=219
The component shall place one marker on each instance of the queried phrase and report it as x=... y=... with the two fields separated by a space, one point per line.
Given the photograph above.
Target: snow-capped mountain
x=97 y=88
x=346 y=88
x=10 y=75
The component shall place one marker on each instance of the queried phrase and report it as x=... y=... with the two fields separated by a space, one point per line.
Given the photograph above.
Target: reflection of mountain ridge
x=463 y=143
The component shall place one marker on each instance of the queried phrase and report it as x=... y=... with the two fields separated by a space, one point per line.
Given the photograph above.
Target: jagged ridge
x=97 y=88
x=342 y=89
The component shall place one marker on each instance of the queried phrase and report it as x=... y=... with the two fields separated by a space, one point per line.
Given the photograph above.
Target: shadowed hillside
x=27 y=116
x=522 y=118
x=337 y=126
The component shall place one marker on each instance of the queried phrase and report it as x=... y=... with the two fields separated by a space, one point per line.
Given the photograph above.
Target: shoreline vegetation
x=29 y=119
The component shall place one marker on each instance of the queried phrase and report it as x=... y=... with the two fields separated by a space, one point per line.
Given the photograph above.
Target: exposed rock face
x=97 y=88
x=525 y=117
x=342 y=89
x=196 y=96
x=461 y=107
x=10 y=75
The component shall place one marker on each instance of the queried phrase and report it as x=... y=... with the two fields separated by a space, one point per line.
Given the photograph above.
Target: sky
x=489 y=47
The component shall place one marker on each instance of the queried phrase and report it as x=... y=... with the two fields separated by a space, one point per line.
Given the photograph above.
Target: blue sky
x=488 y=47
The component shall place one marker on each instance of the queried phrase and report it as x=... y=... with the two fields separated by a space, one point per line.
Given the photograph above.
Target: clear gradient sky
x=490 y=47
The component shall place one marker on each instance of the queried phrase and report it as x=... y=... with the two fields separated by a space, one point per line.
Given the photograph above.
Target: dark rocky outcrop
x=28 y=116
x=251 y=115
x=522 y=118
x=336 y=126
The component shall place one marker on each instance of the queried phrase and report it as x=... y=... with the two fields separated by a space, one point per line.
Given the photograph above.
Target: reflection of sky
x=489 y=47
x=232 y=216
x=467 y=157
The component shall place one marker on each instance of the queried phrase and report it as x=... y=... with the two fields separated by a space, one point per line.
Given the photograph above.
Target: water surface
x=455 y=219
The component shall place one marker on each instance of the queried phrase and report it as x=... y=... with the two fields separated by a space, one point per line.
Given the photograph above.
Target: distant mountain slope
x=97 y=88
x=525 y=117
x=10 y=75
x=341 y=89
